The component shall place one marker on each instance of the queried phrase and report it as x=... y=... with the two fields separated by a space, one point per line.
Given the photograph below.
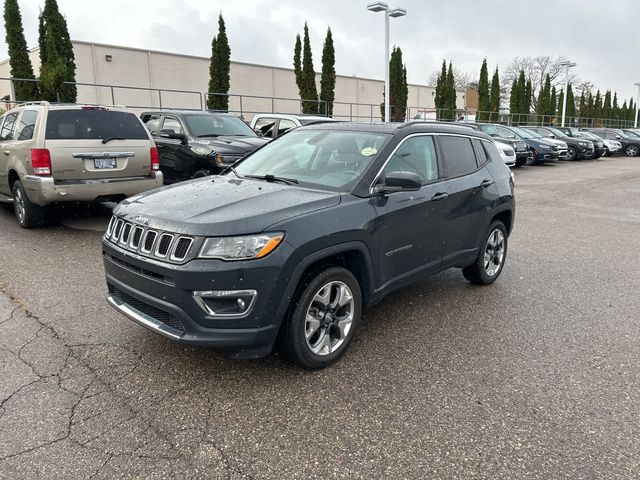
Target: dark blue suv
x=293 y=242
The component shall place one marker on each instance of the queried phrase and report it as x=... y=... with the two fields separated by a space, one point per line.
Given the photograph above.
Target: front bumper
x=160 y=297
x=45 y=190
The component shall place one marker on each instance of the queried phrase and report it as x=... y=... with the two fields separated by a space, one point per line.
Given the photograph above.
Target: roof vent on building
x=108 y=58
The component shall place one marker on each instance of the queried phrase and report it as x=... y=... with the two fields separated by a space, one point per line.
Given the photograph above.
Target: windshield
x=589 y=135
x=325 y=159
x=521 y=132
x=217 y=125
x=557 y=133
x=489 y=129
x=533 y=133
x=629 y=133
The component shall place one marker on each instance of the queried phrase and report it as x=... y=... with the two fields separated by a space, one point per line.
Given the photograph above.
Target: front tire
x=28 y=214
x=490 y=261
x=321 y=324
x=201 y=174
x=632 y=151
x=572 y=154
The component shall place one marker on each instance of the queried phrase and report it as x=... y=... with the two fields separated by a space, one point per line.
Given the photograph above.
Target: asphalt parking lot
x=536 y=376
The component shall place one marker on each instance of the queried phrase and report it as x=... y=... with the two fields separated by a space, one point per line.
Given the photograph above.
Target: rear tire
x=28 y=214
x=320 y=325
x=490 y=261
x=572 y=153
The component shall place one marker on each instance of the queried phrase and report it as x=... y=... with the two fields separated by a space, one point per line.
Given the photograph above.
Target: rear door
x=7 y=144
x=472 y=191
x=93 y=143
x=177 y=163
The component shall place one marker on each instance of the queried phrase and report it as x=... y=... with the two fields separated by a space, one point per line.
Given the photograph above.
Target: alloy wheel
x=632 y=151
x=329 y=318
x=18 y=205
x=571 y=154
x=494 y=252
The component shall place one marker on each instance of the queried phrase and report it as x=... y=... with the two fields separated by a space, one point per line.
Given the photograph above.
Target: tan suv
x=69 y=153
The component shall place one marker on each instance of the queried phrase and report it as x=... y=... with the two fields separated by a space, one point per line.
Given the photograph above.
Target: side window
x=491 y=151
x=265 y=125
x=27 y=125
x=285 y=126
x=8 y=127
x=458 y=155
x=416 y=155
x=481 y=155
x=172 y=123
x=152 y=122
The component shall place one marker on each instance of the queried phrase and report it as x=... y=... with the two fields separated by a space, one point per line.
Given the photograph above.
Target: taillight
x=155 y=159
x=41 y=161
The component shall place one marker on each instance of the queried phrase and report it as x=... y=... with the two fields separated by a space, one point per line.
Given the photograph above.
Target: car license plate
x=103 y=163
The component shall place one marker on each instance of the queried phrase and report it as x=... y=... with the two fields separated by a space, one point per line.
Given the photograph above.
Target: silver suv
x=68 y=153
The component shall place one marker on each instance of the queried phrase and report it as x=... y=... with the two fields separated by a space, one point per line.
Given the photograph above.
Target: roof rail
x=43 y=103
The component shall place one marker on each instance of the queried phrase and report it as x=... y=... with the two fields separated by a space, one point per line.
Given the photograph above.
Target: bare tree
x=536 y=69
x=462 y=79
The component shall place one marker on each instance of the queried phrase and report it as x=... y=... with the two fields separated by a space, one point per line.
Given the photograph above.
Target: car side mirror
x=399 y=181
x=259 y=132
x=618 y=137
x=168 y=133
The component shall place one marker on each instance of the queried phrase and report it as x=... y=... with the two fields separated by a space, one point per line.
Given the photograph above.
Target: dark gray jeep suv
x=289 y=246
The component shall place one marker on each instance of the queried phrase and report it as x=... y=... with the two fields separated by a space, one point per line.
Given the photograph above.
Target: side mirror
x=173 y=135
x=399 y=181
x=259 y=132
x=618 y=137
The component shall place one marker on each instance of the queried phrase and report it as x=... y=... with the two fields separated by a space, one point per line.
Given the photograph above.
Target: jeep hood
x=234 y=145
x=223 y=205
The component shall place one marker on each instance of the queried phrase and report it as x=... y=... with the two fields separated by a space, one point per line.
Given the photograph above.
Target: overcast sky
x=601 y=36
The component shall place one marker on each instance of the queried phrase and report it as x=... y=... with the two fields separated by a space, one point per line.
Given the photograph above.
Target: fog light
x=225 y=303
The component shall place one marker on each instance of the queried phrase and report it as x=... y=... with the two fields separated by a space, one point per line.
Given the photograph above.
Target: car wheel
x=531 y=160
x=572 y=153
x=488 y=266
x=320 y=326
x=631 y=151
x=28 y=214
x=520 y=162
x=201 y=173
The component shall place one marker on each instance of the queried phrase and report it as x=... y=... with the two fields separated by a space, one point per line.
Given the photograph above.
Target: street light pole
x=396 y=12
x=635 y=123
x=566 y=66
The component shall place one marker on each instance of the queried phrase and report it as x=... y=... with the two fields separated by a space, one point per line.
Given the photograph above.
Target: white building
x=151 y=79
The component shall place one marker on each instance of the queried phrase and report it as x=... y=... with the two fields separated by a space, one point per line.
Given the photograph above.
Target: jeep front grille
x=147 y=242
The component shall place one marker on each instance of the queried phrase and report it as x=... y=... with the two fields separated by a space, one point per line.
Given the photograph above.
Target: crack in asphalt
x=148 y=423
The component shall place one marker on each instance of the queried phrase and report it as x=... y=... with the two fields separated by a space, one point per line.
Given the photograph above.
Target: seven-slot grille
x=149 y=242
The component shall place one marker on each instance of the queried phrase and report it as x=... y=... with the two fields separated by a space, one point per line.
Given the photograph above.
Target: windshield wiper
x=108 y=139
x=272 y=178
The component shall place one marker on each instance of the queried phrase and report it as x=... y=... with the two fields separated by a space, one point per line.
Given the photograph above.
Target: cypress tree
x=544 y=98
x=560 y=103
x=615 y=108
x=57 y=61
x=631 y=113
x=494 y=98
x=451 y=94
x=597 y=105
x=483 y=92
x=590 y=105
x=398 y=88
x=571 y=102
x=623 y=111
x=514 y=98
x=328 y=79
x=309 y=91
x=220 y=69
x=583 y=105
x=553 y=102
x=527 y=97
x=441 y=86
x=18 y=53
x=297 y=63
x=606 y=106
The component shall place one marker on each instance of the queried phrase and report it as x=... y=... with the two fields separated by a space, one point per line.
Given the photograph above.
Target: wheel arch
x=12 y=177
x=506 y=217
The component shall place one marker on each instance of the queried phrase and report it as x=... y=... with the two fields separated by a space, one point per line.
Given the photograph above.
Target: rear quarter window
x=27 y=125
x=93 y=124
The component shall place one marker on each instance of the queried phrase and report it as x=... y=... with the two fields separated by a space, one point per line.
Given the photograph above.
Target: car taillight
x=41 y=161
x=155 y=159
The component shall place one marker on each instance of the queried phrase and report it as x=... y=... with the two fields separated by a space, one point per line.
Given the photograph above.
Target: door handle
x=440 y=197
x=487 y=183
x=6 y=152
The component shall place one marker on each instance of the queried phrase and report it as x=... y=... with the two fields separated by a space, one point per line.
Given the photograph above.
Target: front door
x=409 y=225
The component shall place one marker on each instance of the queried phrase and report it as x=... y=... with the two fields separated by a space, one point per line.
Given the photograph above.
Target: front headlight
x=241 y=248
x=201 y=150
x=226 y=160
x=582 y=144
x=545 y=147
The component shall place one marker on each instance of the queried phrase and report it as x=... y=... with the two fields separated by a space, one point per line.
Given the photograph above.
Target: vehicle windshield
x=491 y=130
x=217 y=126
x=573 y=130
x=521 y=133
x=589 y=135
x=533 y=133
x=631 y=134
x=556 y=132
x=325 y=159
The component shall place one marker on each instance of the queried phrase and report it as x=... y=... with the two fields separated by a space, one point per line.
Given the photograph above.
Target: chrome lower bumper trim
x=143 y=319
